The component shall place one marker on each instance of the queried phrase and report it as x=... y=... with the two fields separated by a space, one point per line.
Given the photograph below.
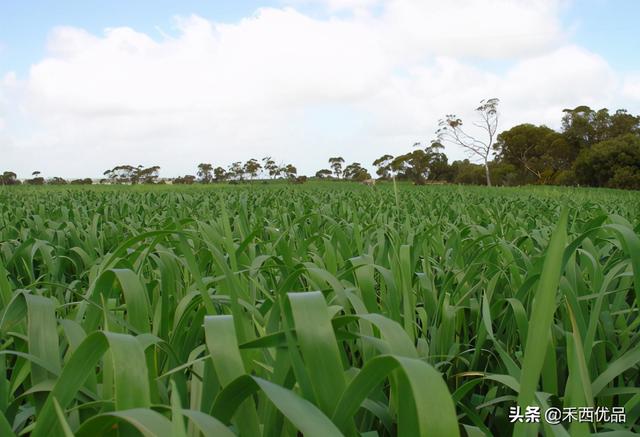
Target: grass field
x=325 y=309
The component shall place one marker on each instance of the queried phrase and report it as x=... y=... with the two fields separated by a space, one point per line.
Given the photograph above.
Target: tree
x=270 y=166
x=383 y=165
x=236 y=171
x=439 y=168
x=289 y=171
x=504 y=173
x=186 y=180
x=205 y=172
x=252 y=167
x=583 y=127
x=466 y=172
x=220 y=174
x=538 y=153
x=626 y=178
x=578 y=128
x=623 y=123
x=135 y=174
x=57 y=181
x=324 y=173
x=612 y=163
x=9 y=178
x=85 y=181
x=147 y=175
x=279 y=171
x=451 y=131
x=36 y=180
x=336 y=165
x=418 y=165
x=355 y=172
x=39 y=180
x=121 y=174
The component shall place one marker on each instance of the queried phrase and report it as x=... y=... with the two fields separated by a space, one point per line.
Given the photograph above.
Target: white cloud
x=286 y=84
x=475 y=28
x=339 y=5
x=542 y=86
x=631 y=87
x=6 y=84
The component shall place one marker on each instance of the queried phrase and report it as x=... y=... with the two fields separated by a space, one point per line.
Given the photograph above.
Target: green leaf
x=300 y=412
x=544 y=307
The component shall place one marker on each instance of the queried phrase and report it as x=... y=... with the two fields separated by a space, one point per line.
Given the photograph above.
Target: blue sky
x=25 y=25
x=607 y=27
x=358 y=78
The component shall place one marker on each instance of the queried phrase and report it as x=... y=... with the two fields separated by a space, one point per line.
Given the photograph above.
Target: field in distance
x=326 y=308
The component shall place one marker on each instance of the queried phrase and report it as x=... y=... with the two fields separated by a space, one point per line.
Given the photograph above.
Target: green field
x=325 y=308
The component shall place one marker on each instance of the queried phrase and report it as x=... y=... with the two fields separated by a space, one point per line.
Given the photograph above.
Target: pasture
x=325 y=308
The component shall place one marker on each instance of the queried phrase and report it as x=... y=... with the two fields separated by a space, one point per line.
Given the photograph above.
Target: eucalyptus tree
x=336 y=165
x=37 y=179
x=325 y=173
x=482 y=148
x=9 y=178
x=289 y=171
x=220 y=174
x=236 y=171
x=419 y=165
x=252 y=167
x=205 y=172
x=356 y=172
x=383 y=165
x=148 y=175
x=270 y=166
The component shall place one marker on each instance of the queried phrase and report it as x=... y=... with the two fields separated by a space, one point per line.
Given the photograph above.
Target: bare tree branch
x=451 y=131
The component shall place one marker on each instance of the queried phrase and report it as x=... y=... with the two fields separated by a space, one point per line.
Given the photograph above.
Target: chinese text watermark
x=555 y=416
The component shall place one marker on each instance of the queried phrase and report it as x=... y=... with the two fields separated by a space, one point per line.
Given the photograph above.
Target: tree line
x=592 y=148
x=11 y=178
x=206 y=173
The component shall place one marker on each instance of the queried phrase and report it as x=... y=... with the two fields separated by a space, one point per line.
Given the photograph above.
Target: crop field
x=318 y=310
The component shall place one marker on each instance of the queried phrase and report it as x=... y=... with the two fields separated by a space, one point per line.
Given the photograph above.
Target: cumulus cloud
x=631 y=87
x=475 y=28
x=7 y=83
x=569 y=76
x=360 y=6
x=294 y=86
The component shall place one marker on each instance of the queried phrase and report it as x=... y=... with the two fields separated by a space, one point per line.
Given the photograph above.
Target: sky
x=88 y=85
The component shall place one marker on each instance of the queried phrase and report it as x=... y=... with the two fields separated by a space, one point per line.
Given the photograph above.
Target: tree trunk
x=486 y=170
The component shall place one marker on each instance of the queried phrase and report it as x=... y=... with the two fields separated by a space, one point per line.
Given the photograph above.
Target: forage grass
x=322 y=309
